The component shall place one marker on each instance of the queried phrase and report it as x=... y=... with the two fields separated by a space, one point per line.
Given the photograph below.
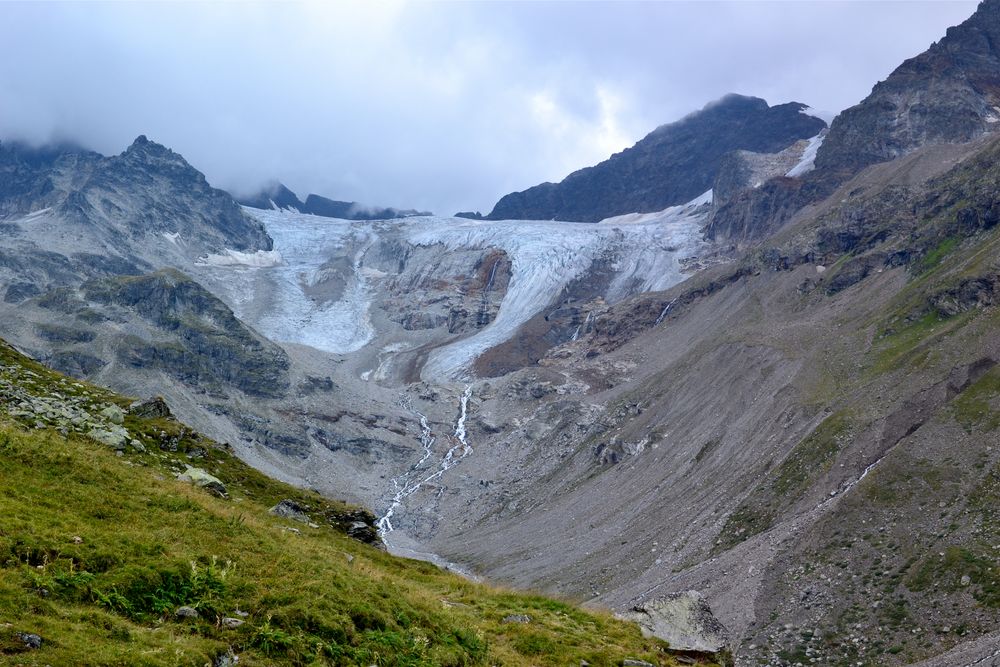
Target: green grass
x=944 y=573
x=808 y=460
x=935 y=255
x=98 y=550
x=978 y=407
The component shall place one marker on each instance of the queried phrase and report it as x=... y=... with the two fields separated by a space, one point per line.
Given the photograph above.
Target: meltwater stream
x=405 y=485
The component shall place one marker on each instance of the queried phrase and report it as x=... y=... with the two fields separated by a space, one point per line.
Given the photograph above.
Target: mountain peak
x=950 y=93
x=673 y=164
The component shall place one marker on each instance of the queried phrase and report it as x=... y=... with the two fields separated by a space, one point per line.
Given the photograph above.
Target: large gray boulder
x=684 y=620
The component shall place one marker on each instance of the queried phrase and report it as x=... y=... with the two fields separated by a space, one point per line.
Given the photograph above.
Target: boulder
x=113 y=414
x=290 y=509
x=684 y=620
x=186 y=612
x=115 y=437
x=30 y=640
x=200 y=478
x=151 y=408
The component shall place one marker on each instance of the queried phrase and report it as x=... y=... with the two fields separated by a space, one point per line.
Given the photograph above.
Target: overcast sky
x=439 y=106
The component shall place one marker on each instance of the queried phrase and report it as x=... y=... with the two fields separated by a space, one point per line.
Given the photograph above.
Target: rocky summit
x=673 y=164
x=750 y=417
x=277 y=196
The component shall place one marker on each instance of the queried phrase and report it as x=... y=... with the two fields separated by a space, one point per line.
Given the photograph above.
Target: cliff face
x=949 y=93
x=672 y=165
x=148 y=189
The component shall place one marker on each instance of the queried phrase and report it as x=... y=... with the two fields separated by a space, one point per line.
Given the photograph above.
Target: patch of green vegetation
x=932 y=259
x=960 y=566
x=99 y=549
x=811 y=457
x=978 y=407
x=807 y=460
x=909 y=345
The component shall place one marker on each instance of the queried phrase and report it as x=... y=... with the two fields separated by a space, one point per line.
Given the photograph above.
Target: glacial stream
x=411 y=481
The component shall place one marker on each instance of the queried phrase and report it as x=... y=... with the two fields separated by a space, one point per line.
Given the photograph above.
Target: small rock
x=76 y=539
x=186 y=612
x=30 y=640
x=227 y=659
x=232 y=623
x=966 y=580
x=517 y=618
x=632 y=662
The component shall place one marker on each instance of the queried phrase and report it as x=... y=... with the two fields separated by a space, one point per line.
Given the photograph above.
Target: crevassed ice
x=255 y=260
x=644 y=251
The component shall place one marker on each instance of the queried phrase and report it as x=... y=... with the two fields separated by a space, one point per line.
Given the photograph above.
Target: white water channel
x=408 y=483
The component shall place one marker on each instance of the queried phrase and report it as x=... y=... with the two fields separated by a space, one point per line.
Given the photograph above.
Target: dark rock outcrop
x=276 y=195
x=273 y=195
x=349 y=210
x=672 y=165
x=949 y=93
x=207 y=345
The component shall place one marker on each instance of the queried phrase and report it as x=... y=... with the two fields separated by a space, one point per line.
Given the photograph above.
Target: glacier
x=644 y=252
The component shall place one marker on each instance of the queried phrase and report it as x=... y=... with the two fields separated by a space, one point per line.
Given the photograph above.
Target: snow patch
x=172 y=236
x=261 y=259
x=808 y=160
x=825 y=116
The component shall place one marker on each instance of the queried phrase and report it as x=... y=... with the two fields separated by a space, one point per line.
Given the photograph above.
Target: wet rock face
x=672 y=165
x=460 y=291
x=950 y=93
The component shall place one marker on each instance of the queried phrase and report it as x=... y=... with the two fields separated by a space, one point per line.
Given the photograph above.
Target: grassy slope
x=98 y=549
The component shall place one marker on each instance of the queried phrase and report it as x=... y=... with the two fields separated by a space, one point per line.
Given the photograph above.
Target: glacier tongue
x=644 y=252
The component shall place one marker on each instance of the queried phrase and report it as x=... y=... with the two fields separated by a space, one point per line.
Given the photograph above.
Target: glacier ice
x=644 y=251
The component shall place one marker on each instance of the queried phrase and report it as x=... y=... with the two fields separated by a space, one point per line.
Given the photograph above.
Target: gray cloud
x=440 y=106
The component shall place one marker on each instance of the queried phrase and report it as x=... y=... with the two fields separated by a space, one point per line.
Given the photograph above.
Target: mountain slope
x=108 y=559
x=808 y=435
x=146 y=190
x=672 y=165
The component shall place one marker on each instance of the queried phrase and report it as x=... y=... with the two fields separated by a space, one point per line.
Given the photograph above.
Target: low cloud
x=439 y=106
